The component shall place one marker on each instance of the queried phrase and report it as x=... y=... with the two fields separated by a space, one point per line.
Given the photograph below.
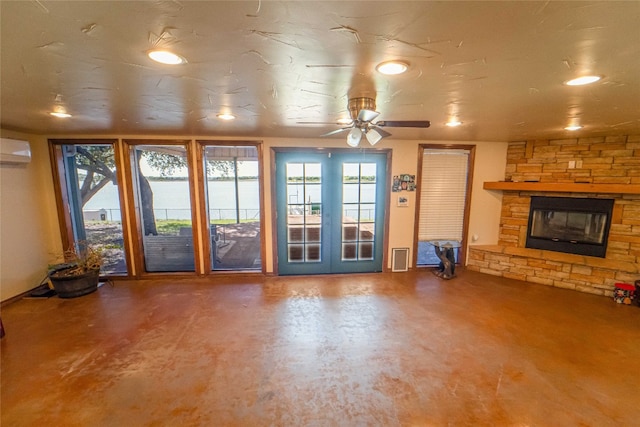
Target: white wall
x=29 y=233
x=30 y=238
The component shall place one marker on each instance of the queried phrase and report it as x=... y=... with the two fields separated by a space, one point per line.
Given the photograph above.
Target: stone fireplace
x=606 y=168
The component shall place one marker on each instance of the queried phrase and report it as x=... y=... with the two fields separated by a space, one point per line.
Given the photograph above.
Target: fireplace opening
x=571 y=225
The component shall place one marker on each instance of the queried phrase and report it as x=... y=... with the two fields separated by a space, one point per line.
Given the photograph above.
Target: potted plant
x=80 y=272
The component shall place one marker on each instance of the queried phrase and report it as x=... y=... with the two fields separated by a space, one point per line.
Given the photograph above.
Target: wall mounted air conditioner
x=14 y=151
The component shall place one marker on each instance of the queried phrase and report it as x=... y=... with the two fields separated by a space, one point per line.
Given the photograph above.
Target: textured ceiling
x=282 y=67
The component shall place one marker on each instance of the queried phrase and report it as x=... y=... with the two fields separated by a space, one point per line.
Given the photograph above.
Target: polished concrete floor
x=390 y=349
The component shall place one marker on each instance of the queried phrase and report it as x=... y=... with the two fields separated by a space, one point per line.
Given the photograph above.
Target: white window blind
x=443 y=190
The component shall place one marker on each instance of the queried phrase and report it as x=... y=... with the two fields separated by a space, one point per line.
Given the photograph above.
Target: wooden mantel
x=563 y=187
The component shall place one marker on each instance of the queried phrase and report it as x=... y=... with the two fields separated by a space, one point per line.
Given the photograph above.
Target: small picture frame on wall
x=396 y=184
x=403 y=201
x=404 y=182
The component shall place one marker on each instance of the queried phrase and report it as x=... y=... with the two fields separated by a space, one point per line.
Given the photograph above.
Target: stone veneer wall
x=606 y=160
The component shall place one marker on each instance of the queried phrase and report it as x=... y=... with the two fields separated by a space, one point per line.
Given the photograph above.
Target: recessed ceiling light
x=166 y=57
x=453 y=123
x=392 y=67
x=226 y=116
x=573 y=127
x=584 y=80
x=60 y=113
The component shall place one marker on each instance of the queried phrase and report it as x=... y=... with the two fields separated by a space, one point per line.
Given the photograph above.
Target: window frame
x=462 y=251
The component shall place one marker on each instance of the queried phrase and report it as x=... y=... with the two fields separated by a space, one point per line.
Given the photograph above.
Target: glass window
x=358 y=211
x=94 y=201
x=443 y=193
x=304 y=208
x=164 y=207
x=233 y=198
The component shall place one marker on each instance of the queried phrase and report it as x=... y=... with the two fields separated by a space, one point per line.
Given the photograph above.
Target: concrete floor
x=390 y=349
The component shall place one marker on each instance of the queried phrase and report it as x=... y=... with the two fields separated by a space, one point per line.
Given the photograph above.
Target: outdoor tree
x=97 y=163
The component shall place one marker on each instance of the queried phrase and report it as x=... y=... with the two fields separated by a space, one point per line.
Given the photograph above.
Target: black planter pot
x=74 y=286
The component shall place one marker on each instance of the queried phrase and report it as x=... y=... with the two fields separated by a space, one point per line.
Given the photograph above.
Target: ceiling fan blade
x=383 y=133
x=367 y=115
x=323 y=123
x=405 y=123
x=333 y=132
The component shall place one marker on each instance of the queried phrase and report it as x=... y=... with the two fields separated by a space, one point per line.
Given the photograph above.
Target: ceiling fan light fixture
x=584 y=80
x=166 y=57
x=392 y=67
x=373 y=136
x=354 y=137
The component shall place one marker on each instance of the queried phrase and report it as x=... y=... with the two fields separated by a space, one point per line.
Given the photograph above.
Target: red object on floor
x=625 y=286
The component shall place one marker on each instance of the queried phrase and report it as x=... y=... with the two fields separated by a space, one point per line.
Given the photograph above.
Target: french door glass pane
x=304 y=208
x=92 y=191
x=233 y=197
x=164 y=207
x=358 y=211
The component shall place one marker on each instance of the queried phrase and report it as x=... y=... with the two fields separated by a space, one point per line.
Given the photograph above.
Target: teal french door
x=330 y=211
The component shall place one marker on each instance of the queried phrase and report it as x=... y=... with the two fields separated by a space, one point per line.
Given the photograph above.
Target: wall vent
x=400 y=259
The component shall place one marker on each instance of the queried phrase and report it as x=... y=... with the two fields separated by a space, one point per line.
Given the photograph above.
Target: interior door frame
x=273 y=185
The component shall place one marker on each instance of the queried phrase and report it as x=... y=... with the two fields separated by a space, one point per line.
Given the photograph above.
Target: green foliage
x=113 y=246
x=225 y=167
x=231 y=221
x=303 y=179
x=363 y=178
x=98 y=159
x=171 y=226
x=164 y=163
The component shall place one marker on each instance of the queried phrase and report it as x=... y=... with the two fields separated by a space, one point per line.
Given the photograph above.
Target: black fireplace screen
x=571 y=225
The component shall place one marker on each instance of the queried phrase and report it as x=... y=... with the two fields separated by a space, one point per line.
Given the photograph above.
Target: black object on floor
x=42 y=291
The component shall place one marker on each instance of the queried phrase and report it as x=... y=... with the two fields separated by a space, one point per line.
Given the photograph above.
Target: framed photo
x=403 y=182
x=403 y=201
x=396 y=184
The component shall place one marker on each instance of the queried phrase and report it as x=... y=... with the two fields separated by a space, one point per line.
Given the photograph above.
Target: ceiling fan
x=363 y=112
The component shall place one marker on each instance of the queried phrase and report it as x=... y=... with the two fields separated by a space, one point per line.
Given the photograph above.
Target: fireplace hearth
x=570 y=225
